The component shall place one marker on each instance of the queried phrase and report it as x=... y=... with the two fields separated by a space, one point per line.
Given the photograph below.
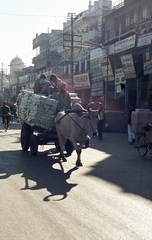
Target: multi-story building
x=102 y=51
x=128 y=39
x=81 y=33
x=47 y=54
x=66 y=52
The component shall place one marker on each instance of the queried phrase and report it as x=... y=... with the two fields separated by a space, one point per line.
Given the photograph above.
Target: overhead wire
x=29 y=15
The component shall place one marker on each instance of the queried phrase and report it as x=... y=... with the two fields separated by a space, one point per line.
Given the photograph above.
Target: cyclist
x=6 y=113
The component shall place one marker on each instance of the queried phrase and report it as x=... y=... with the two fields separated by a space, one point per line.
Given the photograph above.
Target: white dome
x=16 y=61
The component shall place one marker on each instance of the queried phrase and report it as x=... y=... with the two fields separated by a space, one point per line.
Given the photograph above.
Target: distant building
x=16 y=64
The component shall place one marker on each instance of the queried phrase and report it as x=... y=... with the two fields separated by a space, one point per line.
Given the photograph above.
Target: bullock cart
x=36 y=114
x=33 y=136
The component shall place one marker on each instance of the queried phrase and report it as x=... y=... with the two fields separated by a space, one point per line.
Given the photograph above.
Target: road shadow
x=39 y=172
x=10 y=132
x=12 y=126
x=123 y=166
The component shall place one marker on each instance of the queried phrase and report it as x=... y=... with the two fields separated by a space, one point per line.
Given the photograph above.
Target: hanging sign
x=128 y=66
x=107 y=69
x=119 y=76
x=82 y=81
x=147 y=60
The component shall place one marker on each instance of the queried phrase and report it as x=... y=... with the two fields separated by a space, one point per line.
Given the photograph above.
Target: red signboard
x=82 y=81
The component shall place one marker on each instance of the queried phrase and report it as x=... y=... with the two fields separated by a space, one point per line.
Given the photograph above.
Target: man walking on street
x=6 y=113
x=131 y=135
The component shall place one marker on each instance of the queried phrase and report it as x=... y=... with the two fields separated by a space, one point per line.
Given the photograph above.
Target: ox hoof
x=64 y=160
x=79 y=164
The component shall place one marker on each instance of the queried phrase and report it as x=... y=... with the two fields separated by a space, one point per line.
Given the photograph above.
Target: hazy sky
x=20 y=20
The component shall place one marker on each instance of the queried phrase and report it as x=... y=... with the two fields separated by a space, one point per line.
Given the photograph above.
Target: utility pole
x=69 y=38
x=72 y=52
x=2 y=77
x=106 y=82
x=71 y=15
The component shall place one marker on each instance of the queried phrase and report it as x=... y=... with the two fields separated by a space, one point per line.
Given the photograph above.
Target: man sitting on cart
x=54 y=89
x=42 y=85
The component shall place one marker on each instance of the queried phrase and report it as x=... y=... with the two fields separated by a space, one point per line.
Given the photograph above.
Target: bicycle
x=6 y=121
x=144 y=141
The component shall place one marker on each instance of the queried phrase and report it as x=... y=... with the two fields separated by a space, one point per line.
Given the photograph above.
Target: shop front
x=82 y=87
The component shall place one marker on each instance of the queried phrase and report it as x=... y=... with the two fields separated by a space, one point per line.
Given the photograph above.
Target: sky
x=20 y=20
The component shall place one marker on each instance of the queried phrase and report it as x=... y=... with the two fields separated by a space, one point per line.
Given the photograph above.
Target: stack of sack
x=139 y=119
x=36 y=110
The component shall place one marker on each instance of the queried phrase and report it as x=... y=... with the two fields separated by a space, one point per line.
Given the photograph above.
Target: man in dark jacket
x=5 y=112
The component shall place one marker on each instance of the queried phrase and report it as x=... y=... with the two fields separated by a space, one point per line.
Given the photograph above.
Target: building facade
x=103 y=51
x=128 y=38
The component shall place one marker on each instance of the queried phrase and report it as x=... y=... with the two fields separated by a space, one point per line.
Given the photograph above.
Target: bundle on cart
x=36 y=110
x=139 y=119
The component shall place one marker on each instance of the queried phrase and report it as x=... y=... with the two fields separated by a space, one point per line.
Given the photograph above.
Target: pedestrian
x=97 y=105
x=131 y=135
x=63 y=97
x=102 y=121
x=42 y=85
x=5 y=113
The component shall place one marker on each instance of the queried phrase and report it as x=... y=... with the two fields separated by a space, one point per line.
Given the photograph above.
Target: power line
x=30 y=15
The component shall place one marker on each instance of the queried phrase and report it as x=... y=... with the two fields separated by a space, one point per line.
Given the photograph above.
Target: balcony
x=41 y=56
x=125 y=31
x=91 y=35
x=118 y=4
x=23 y=79
x=41 y=40
x=13 y=81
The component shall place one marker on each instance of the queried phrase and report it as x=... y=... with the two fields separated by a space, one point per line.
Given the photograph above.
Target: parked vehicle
x=117 y=121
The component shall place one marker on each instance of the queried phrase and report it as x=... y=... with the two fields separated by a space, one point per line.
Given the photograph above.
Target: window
x=132 y=16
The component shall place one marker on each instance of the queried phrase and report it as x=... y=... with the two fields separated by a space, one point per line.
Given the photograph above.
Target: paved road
x=109 y=198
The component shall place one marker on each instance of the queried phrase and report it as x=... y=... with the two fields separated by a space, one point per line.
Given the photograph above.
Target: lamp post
x=106 y=82
x=2 y=78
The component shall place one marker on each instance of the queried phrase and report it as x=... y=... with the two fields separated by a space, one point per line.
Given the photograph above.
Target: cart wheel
x=33 y=145
x=69 y=147
x=26 y=132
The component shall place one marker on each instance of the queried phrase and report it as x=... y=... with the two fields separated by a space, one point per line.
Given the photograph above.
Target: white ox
x=75 y=126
